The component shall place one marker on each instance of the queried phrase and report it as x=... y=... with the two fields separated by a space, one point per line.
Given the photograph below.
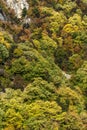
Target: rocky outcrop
x=18 y=6
x=2 y=15
x=68 y=76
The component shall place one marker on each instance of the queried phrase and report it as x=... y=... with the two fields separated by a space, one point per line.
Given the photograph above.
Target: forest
x=43 y=66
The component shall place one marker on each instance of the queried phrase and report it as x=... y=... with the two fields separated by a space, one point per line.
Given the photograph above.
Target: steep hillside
x=43 y=65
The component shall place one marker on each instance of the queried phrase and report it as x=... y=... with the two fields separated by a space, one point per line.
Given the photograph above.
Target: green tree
x=69 y=98
x=4 y=53
x=24 y=12
x=40 y=89
x=80 y=79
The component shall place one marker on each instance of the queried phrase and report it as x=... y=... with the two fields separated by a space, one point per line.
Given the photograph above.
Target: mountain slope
x=36 y=56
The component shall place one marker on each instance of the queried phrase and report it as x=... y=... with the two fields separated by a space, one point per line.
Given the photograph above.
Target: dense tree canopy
x=35 y=63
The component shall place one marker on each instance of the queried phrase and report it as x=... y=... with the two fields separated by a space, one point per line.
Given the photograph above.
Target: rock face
x=2 y=15
x=18 y=6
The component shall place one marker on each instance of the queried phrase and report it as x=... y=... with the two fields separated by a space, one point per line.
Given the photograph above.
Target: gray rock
x=18 y=6
x=1 y=72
